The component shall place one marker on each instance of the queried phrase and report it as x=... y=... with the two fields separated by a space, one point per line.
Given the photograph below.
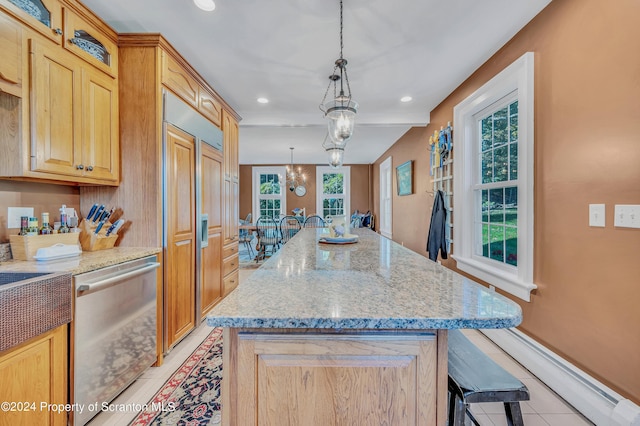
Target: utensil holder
x=90 y=241
x=24 y=247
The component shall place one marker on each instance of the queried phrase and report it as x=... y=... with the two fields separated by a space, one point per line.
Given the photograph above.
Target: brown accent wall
x=360 y=189
x=42 y=197
x=587 y=150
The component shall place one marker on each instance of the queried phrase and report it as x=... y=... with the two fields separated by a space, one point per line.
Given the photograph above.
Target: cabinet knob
x=89 y=168
x=58 y=31
x=79 y=167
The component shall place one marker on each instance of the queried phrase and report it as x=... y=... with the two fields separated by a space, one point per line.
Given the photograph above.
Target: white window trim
x=386 y=195
x=256 y=172
x=516 y=77
x=346 y=171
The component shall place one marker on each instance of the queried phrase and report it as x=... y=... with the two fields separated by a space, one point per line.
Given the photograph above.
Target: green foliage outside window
x=333 y=183
x=499 y=163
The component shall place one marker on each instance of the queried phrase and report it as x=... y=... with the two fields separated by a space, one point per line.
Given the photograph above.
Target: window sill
x=496 y=277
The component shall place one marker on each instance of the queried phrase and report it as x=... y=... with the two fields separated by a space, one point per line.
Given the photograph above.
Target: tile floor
x=544 y=409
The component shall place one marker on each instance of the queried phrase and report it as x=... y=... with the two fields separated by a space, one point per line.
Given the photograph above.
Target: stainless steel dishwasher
x=114 y=332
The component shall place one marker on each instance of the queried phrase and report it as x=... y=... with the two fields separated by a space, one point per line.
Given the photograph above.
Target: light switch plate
x=14 y=213
x=597 y=215
x=627 y=216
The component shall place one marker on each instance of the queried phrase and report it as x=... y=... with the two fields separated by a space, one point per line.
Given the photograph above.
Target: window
x=333 y=196
x=269 y=198
x=493 y=181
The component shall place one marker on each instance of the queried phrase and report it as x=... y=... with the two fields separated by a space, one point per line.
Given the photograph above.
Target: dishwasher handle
x=85 y=289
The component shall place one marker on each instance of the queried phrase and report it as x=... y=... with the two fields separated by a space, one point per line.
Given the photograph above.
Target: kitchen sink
x=32 y=303
x=13 y=277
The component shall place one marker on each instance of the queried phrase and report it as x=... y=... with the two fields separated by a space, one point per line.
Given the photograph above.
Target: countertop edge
x=85 y=262
x=364 y=323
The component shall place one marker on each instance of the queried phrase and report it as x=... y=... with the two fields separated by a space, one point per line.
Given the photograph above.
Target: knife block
x=90 y=241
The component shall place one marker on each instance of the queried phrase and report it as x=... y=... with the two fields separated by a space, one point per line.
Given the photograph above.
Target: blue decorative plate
x=347 y=239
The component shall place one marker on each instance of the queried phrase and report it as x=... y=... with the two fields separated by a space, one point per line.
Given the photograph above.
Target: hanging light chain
x=341 y=26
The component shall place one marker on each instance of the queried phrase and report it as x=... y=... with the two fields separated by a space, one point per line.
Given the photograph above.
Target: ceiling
x=285 y=50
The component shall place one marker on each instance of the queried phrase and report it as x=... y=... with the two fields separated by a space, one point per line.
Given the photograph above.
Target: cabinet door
x=211 y=276
x=55 y=112
x=231 y=181
x=227 y=142
x=35 y=372
x=210 y=107
x=11 y=64
x=334 y=379
x=101 y=148
x=90 y=44
x=176 y=78
x=44 y=16
x=181 y=235
x=233 y=142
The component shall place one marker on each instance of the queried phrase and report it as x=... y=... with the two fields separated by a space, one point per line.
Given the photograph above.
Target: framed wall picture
x=404 y=177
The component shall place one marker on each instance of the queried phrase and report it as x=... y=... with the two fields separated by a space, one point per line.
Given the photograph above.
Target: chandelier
x=294 y=179
x=341 y=110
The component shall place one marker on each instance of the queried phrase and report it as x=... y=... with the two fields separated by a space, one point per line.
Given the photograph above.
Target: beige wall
x=360 y=190
x=587 y=150
x=41 y=196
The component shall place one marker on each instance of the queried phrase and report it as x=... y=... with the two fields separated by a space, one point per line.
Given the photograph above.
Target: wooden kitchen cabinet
x=209 y=106
x=178 y=79
x=65 y=127
x=101 y=144
x=43 y=16
x=74 y=115
x=89 y=43
x=231 y=185
x=11 y=64
x=56 y=111
x=231 y=180
x=150 y=71
x=290 y=377
x=37 y=370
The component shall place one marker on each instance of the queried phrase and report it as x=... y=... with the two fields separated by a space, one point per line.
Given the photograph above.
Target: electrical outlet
x=14 y=214
x=596 y=215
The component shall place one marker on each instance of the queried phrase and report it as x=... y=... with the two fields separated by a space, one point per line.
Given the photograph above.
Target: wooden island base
x=324 y=377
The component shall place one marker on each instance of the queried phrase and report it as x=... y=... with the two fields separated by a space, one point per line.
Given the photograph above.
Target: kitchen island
x=346 y=334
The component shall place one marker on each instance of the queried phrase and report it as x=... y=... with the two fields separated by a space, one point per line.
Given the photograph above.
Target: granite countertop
x=373 y=284
x=86 y=262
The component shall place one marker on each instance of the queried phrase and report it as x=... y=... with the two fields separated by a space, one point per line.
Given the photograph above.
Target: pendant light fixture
x=335 y=152
x=341 y=110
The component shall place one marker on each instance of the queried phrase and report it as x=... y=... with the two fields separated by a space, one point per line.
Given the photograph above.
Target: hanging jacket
x=437 y=239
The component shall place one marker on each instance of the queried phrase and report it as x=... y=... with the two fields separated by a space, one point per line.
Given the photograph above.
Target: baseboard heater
x=594 y=400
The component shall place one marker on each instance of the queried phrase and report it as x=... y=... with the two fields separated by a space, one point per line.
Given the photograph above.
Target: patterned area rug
x=191 y=397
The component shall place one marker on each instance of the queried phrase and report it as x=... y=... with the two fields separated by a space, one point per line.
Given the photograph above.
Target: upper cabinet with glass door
x=44 y=16
x=90 y=43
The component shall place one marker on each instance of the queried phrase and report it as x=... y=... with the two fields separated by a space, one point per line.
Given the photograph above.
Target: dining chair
x=245 y=236
x=268 y=236
x=314 y=221
x=289 y=226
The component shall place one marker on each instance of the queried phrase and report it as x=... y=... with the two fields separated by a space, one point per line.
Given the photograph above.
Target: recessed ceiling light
x=206 y=5
x=406 y=99
x=263 y=100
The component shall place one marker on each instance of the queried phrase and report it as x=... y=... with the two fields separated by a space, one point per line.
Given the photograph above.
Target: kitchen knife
x=92 y=211
x=99 y=227
x=103 y=215
x=98 y=213
x=115 y=227
x=107 y=214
